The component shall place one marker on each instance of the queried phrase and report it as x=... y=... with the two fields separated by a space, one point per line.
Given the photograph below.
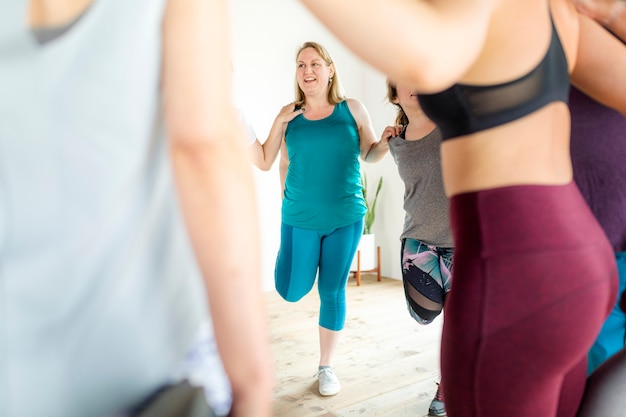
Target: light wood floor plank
x=386 y=362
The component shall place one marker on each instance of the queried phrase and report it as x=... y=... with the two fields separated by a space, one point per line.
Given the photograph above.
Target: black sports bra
x=464 y=109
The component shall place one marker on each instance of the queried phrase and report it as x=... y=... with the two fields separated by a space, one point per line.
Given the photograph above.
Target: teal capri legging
x=327 y=254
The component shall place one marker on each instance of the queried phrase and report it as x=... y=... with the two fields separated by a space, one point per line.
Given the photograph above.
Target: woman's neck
x=54 y=13
x=419 y=126
x=317 y=108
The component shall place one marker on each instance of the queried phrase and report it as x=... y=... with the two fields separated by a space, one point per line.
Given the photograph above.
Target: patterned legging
x=426 y=275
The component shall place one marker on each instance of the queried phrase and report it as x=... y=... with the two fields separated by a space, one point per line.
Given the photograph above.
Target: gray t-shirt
x=425 y=203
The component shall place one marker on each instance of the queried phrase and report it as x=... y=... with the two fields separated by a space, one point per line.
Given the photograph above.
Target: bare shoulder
x=356 y=105
x=358 y=110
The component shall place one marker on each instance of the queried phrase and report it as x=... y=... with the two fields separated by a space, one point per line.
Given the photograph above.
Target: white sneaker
x=328 y=382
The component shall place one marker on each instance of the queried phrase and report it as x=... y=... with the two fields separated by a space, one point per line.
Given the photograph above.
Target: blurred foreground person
x=123 y=199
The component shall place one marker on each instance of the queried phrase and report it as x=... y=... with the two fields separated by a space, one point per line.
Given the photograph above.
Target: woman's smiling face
x=312 y=72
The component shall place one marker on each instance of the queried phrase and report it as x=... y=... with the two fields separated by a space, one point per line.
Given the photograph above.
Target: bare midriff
x=531 y=150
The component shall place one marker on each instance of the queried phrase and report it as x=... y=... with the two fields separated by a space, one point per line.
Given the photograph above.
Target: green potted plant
x=370 y=216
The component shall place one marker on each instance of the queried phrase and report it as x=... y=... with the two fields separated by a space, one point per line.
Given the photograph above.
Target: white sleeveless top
x=100 y=295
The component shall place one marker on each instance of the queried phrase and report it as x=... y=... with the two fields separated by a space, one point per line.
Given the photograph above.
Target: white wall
x=266 y=35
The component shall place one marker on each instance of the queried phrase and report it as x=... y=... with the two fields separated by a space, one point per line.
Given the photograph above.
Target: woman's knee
x=289 y=296
x=289 y=289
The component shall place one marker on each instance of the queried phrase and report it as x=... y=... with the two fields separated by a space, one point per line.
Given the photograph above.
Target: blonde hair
x=335 y=91
x=392 y=94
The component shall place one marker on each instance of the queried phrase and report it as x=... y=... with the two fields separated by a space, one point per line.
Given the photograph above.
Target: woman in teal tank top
x=322 y=136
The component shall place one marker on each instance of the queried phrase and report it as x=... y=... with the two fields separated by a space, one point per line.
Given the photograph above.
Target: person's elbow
x=263 y=165
x=202 y=149
x=376 y=152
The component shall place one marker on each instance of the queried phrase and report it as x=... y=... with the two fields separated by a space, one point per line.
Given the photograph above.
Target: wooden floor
x=387 y=363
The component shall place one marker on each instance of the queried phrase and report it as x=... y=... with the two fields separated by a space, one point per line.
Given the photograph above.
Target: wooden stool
x=358 y=271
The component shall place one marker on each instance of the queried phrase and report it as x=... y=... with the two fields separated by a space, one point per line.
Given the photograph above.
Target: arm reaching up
x=441 y=38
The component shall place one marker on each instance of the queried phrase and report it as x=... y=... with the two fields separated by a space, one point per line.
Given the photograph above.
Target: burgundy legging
x=534 y=279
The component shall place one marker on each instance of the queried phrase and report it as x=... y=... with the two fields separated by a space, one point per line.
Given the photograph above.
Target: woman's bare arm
x=283 y=166
x=609 y=13
x=264 y=155
x=215 y=185
x=441 y=39
x=600 y=68
x=372 y=148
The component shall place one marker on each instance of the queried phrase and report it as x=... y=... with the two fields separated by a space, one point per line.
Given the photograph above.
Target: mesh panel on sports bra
x=485 y=101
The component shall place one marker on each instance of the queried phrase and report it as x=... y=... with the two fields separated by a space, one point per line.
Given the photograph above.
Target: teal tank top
x=323 y=185
x=100 y=294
